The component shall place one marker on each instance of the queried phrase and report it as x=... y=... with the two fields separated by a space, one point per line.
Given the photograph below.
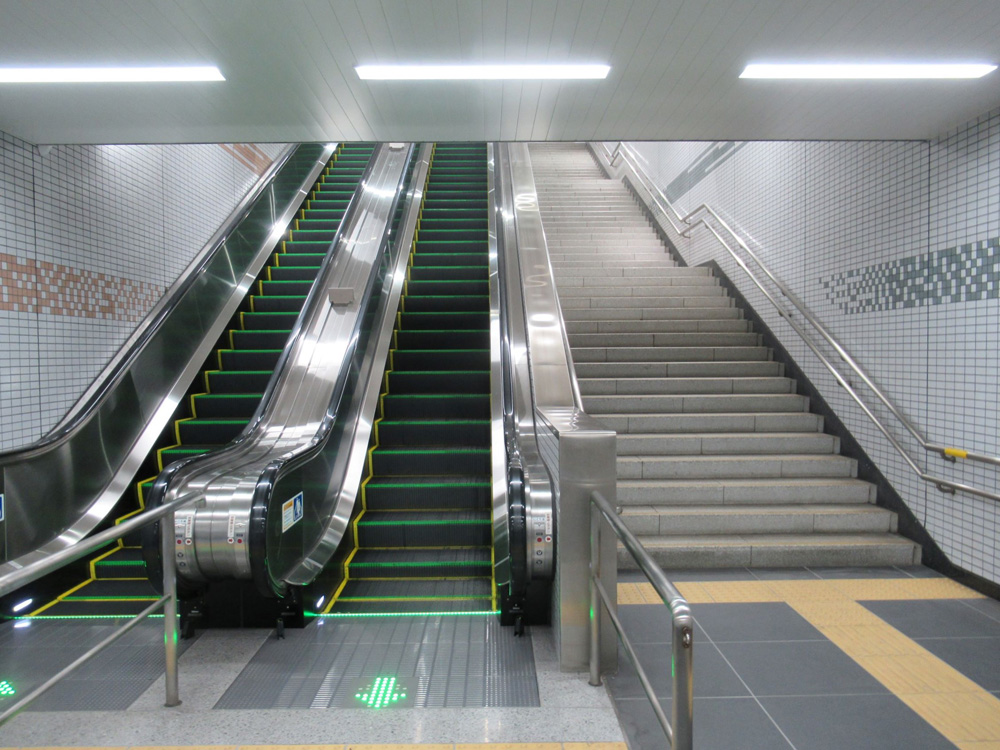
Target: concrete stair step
x=671 y=354
x=648 y=520
x=644 y=424
x=615 y=258
x=700 y=404
x=736 y=467
x=727 y=444
x=658 y=326
x=592 y=302
x=777 y=551
x=664 y=386
x=704 y=338
x=654 y=313
x=659 y=262
x=597 y=278
x=769 y=491
x=760 y=369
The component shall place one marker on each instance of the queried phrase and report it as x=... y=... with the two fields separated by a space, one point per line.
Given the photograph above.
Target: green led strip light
x=6 y=689
x=121 y=562
x=429 y=485
x=413 y=598
x=79 y=617
x=427 y=564
x=342 y=615
x=460 y=522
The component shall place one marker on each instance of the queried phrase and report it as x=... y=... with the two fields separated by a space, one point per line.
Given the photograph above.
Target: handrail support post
x=595 y=599
x=682 y=668
x=170 y=630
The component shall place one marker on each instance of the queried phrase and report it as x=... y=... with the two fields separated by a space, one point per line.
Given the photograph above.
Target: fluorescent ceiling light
x=110 y=75
x=479 y=72
x=858 y=71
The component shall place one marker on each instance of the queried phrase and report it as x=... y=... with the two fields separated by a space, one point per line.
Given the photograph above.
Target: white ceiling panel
x=675 y=65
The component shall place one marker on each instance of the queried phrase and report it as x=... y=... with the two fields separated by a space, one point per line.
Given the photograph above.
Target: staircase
x=720 y=462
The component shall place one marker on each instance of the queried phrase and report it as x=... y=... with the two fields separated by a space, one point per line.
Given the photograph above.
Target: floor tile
x=650 y=623
x=920 y=571
x=712 y=676
x=754 y=622
x=944 y=619
x=782 y=574
x=841 y=721
x=719 y=574
x=989 y=607
x=976 y=658
x=797 y=668
x=830 y=573
x=718 y=723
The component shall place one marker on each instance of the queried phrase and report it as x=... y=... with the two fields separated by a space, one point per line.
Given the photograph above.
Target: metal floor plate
x=415 y=662
x=112 y=681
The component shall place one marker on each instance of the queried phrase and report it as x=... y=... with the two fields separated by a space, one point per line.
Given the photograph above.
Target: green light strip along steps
x=423 y=542
x=233 y=381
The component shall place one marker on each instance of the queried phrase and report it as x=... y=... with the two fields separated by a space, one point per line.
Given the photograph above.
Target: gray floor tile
x=920 y=571
x=831 y=573
x=713 y=678
x=650 y=623
x=718 y=574
x=938 y=618
x=989 y=607
x=848 y=721
x=783 y=574
x=976 y=658
x=718 y=723
x=754 y=622
x=798 y=668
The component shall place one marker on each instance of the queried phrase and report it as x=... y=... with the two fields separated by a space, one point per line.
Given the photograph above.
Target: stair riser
x=790 y=556
x=657 y=313
x=752 y=370
x=688 y=423
x=597 y=279
x=588 y=340
x=683 y=386
x=672 y=354
x=657 y=326
x=727 y=445
x=730 y=467
x=403 y=535
x=766 y=493
x=665 y=301
x=747 y=522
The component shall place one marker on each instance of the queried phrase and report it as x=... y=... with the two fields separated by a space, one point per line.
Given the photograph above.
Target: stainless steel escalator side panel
x=58 y=489
x=500 y=386
x=341 y=462
x=523 y=240
x=214 y=541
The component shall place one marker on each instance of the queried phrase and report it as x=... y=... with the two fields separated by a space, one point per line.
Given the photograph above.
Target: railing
x=29 y=573
x=679 y=729
x=699 y=217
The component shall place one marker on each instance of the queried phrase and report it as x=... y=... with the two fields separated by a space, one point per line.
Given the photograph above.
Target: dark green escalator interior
x=224 y=398
x=423 y=537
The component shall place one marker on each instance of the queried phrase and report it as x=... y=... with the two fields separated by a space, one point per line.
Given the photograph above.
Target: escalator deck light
x=381 y=693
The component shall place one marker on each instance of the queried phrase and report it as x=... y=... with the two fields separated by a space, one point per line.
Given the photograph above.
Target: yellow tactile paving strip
x=945 y=698
x=461 y=746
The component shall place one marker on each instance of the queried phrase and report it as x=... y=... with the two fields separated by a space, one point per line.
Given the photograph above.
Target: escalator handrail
x=262 y=496
x=106 y=382
x=161 y=485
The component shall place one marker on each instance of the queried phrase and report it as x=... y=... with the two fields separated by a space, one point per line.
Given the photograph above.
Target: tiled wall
x=90 y=238
x=894 y=246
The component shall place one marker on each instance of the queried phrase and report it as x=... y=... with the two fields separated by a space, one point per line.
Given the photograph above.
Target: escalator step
x=238 y=381
x=425 y=460
x=276 y=321
x=417 y=563
x=448 y=273
x=209 y=431
x=433 y=259
x=290 y=247
x=394 y=433
x=285 y=288
x=439 y=381
x=417 y=321
x=284 y=260
x=249 y=359
x=415 y=493
x=424 y=529
x=441 y=359
x=441 y=406
x=453 y=235
x=213 y=405
x=455 y=246
x=294 y=273
x=446 y=303
x=459 y=287
x=273 y=339
x=284 y=303
x=474 y=339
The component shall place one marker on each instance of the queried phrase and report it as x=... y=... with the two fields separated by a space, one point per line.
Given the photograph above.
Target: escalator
x=422 y=541
x=225 y=397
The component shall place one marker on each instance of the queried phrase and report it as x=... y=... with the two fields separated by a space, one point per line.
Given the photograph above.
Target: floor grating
x=415 y=662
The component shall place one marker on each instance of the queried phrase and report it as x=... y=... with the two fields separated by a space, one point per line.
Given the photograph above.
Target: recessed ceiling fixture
x=870 y=71
x=480 y=72
x=111 y=75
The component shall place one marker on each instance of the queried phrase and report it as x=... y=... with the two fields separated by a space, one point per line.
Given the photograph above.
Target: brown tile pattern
x=53 y=289
x=249 y=155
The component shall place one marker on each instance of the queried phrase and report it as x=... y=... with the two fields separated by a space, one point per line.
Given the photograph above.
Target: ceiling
x=674 y=69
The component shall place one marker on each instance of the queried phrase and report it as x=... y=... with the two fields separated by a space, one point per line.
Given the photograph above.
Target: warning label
x=291 y=512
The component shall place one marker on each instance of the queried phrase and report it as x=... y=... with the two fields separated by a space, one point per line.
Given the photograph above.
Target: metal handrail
x=680 y=727
x=30 y=573
x=687 y=225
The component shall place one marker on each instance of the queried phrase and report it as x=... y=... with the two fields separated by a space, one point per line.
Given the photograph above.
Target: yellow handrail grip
x=956 y=453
